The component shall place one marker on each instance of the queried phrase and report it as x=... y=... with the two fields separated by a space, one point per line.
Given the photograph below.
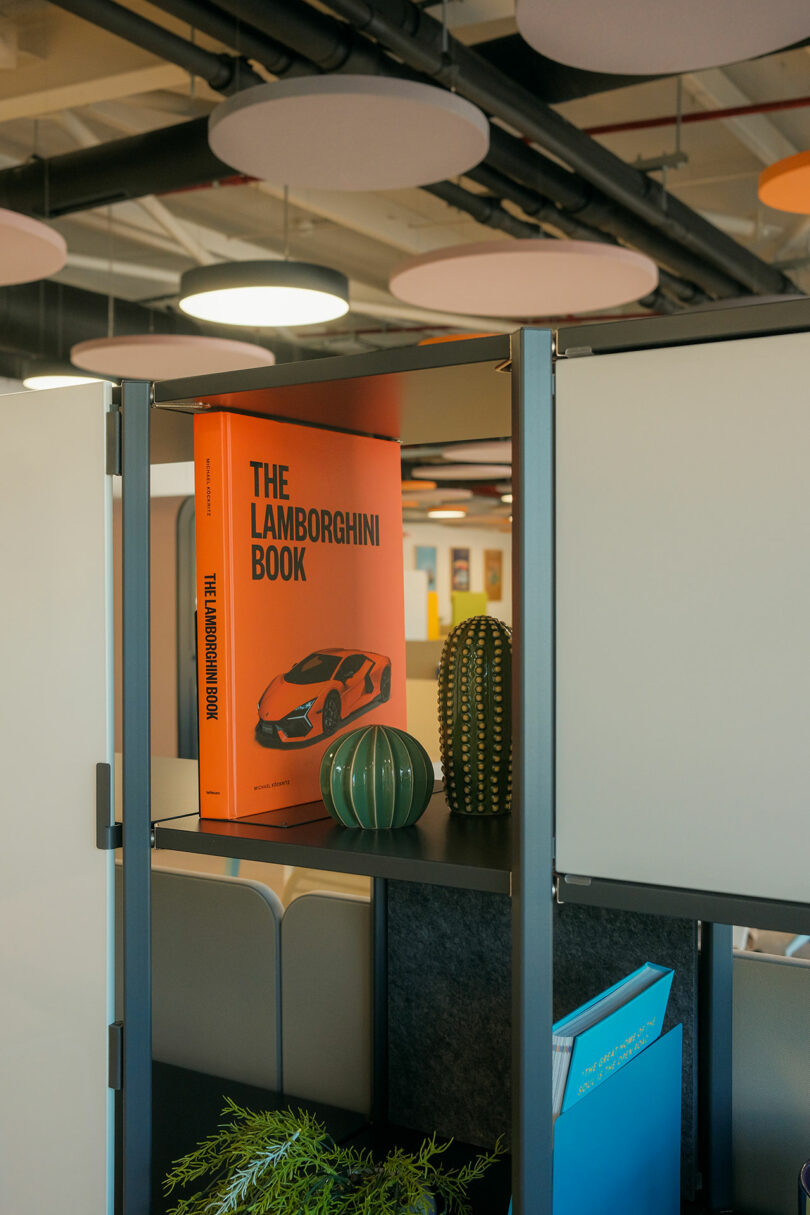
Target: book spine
x=214 y=548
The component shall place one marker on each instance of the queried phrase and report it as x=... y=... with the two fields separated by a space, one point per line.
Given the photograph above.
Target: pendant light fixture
x=659 y=37
x=448 y=513
x=525 y=278
x=264 y=294
x=336 y=132
x=29 y=249
x=267 y=294
x=44 y=377
x=167 y=356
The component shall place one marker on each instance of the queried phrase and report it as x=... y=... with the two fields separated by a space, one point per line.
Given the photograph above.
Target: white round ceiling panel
x=439 y=495
x=487 y=451
x=167 y=356
x=464 y=472
x=525 y=278
x=657 y=37
x=348 y=133
x=29 y=250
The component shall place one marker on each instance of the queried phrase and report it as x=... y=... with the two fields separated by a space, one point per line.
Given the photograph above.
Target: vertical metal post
x=714 y=1062
x=533 y=765
x=137 y=930
x=379 y=998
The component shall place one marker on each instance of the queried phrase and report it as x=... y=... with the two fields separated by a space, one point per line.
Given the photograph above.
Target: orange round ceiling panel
x=785 y=185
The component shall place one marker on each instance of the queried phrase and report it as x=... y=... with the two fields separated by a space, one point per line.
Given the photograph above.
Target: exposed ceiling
x=67 y=84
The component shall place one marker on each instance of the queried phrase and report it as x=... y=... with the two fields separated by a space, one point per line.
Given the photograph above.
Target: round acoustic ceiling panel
x=465 y=472
x=657 y=37
x=29 y=250
x=525 y=278
x=348 y=133
x=167 y=356
x=785 y=185
x=487 y=451
x=441 y=494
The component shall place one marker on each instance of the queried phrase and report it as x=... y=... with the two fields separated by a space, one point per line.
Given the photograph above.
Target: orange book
x=300 y=604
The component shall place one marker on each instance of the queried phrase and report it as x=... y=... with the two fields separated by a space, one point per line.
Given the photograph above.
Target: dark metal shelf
x=442 y=848
x=712 y=906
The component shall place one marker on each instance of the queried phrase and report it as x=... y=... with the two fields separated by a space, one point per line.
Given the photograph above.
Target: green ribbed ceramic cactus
x=475 y=716
x=376 y=777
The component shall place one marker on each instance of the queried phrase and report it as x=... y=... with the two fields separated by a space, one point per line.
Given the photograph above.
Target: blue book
x=600 y=1037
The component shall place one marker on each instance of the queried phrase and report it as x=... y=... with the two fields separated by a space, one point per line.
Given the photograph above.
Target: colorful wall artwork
x=426 y=560
x=493 y=573
x=459 y=569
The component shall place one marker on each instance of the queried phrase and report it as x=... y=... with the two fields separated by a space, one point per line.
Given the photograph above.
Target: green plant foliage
x=283 y=1162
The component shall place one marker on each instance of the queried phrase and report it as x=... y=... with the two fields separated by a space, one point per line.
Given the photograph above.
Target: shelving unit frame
x=317 y=393
x=394 y=394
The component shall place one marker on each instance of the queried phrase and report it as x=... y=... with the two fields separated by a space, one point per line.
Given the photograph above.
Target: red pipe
x=736 y=111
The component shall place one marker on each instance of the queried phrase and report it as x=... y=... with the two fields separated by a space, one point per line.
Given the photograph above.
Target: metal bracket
x=114 y=443
x=667 y=160
x=115 y=1055
x=108 y=831
x=576 y=352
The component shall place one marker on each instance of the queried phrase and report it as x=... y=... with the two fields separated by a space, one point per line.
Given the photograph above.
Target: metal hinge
x=114 y=443
x=577 y=352
x=115 y=1055
x=108 y=831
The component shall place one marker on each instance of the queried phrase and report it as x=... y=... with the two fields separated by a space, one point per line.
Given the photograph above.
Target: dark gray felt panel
x=449 y=1001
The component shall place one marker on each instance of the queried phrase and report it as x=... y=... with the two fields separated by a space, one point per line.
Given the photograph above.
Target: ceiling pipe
x=514 y=160
x=332 y=45
x=225 y=73
x=671 y=120
x=490 y=212
x=209 y=19
x=45 y=319
x=421 y=43
x=545 y=211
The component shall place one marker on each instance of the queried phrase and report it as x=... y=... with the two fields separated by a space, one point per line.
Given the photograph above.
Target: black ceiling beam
x=45 y=319
x=157 y=162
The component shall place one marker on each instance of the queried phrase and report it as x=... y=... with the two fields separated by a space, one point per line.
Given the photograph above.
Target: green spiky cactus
x=475 y=716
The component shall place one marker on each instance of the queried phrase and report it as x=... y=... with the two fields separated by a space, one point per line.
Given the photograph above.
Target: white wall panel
x=55 y=725
x=683 y=601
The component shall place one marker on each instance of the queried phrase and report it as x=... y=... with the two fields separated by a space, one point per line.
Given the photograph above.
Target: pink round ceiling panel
x=464 y=472
x=525 y=278
x=348 y=133
x=29 y=250
x=487 y=451
x=653 y=37
x=167 y=356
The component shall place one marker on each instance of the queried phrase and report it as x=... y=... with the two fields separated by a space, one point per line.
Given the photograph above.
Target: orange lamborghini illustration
x=320 y=693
